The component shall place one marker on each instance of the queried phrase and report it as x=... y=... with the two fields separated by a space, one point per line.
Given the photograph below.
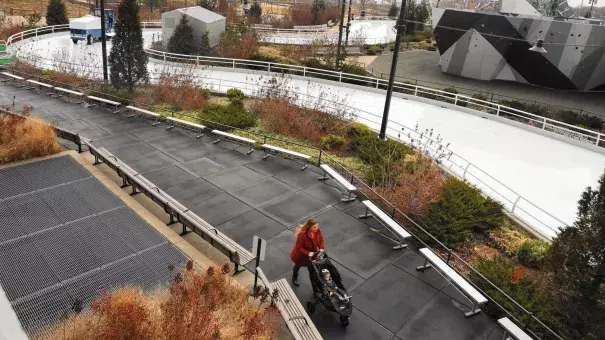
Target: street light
x=103 y=41
x=342 y=17
x=387 y=103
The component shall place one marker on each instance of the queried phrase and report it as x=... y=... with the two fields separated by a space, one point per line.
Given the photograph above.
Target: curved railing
x=420 y=234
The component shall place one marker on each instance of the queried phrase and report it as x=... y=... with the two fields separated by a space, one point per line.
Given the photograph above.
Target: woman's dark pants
x=311 y=273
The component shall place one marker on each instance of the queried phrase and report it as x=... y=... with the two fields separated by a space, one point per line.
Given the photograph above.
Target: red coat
x=304 y=245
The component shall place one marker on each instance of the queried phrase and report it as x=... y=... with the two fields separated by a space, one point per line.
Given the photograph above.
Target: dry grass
x=198 y=305
x=25 y=7
x=22 y=139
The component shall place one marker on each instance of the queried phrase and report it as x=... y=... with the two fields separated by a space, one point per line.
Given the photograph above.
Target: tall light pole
x=592 y=3
x=342 y=17
x=348 y=23
x=103 y=41
x=387 y=102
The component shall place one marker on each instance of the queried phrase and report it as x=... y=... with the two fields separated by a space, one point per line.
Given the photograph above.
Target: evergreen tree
x=56 y=13
x=205 y=44
x=578 y=260
x=393 y=10
x=256 y=11
x=127 y=59
x=182 y=40
x=207 y=4
x=318 y=7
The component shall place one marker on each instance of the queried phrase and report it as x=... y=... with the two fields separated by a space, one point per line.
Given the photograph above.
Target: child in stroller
x=332 y=293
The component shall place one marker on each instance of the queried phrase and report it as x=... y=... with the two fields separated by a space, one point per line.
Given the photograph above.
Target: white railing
x=35 y=32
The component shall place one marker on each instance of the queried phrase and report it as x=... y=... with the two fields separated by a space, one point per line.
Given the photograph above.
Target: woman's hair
x=303 y=229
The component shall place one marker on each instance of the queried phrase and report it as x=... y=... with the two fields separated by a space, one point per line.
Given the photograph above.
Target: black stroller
x=330 y=291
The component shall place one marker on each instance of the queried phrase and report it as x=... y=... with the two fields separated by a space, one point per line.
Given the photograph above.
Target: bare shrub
x=23 y=138
x=198 y=305
x=178 y=91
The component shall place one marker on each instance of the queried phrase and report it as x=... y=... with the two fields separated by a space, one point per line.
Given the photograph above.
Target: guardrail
x=540 y=221
x=367 y=191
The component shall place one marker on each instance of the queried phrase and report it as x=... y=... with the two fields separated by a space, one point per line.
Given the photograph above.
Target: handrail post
x=449 y=255
x=320 y=152
x=393 y=211
x=529 y=316
x=164 y=54
x=598 y=139
x=456 y=100
x=498 y=111
x=515 y=204
x=268 y=67
x=465 y=170
x=233 y=66
x=415 y=90
x=544 y=124
x=377 y=82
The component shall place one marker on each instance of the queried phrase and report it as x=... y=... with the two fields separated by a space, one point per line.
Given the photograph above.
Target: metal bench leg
x=237 y=269
x=400 y=246
x=216 y=141
x=267 y=155
x=156 y=123
x=304 y=166
x=251 y=150
x=124 y=183
x=134 y=191
x=425 y=266
x=366 y=215
x=172 y=221
x=200 y=135
x=169 y=127
x=324 y=177
x=97 y=161
x=185 y=231
x=473 y=311
x=349 y=198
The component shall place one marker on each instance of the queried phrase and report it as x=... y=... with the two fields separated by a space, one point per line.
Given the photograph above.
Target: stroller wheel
x=310 y=307
x=344 y=320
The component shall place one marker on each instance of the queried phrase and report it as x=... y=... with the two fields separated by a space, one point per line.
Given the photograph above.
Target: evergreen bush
x=182 y=40
x=332 y=142
x=231 y=115
x=236 y=96
x=532 y=253
x=56 y=13
x=206 y=94
x=462 y=211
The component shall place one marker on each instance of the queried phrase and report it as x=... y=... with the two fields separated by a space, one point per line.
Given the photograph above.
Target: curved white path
x=366 y=31
x=550 y=173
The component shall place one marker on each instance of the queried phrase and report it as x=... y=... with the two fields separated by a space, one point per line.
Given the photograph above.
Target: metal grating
x=53 y=172
x=65 y=255
x=159 y=259
x=33 y=213
x=135 y=232
x=24 y=271
x=43 y=309
x=96 y=195
x=12 y=183
x=131 y=272
x=66 y=203
x=88 y=287
x=9 y=225
x=100 y=240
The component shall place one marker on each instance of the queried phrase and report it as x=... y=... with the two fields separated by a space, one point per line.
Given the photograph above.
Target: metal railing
x=420 y=234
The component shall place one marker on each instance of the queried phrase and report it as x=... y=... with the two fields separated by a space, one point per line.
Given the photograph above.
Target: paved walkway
x=243 y=196
x=424 y=67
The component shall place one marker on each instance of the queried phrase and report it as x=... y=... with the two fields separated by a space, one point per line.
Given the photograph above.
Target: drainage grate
x=23 y=270
x=66 y=203
x=88 y=287
x=43 y=309
x=100 y=240
x=53 y=172
x=9 y=225
x=96 y=195
x=131 y=272
x=135 y=232
x=159 y=259
x=33 y=213
x=12 y=183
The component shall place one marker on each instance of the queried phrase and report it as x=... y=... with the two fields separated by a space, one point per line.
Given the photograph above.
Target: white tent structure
x=200 y=19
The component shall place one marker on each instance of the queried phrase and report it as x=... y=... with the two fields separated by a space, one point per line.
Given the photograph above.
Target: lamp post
x=103 y=41
x=387 y=102
x=348 y=23
x=342 y=17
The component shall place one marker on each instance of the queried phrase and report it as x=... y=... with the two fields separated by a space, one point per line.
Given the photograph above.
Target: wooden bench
x=510 y=328
x=290 y=308
x=175 y=121
x=346 y=185
x=69 y=93
x=40 y=85
x=276 y=149
x=475 y=296
x=236 y=138
x=104 y=101
x=136 y=110
x=387 y=221
x=8 y=76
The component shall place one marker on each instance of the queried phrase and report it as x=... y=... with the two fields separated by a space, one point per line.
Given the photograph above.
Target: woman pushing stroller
x=309 y=243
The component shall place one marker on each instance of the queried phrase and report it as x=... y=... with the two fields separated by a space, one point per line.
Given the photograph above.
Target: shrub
x=231 y=115
x=180 y=93
x=461 y=212
x=532 y=253
x=354 y=69
x=23 y=138
x=206 y=93
x=236 y=96
x=428 y=41
x=332 y=142
x=431 y=48
x=573 y=118
x=237 y=41
x=198 y=305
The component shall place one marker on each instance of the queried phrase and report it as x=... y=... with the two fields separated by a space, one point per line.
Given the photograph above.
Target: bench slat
x=69 y=91
x=452 y=274
x=12 y=76
x=293 y=308
x=236 y=137
x=392 y=224
x=103 y=100
x=338 y=177
x=184 y=122
x=513 y=329
x=153 y=114
x=40 y=83
x=286 y=151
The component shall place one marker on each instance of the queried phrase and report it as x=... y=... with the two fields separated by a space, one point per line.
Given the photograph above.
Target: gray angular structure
x=490 y=46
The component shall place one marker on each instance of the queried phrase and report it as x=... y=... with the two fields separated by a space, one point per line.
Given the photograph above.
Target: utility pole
x=387 y=102
x=342 y=17
x=348 y=23
x=103 y=41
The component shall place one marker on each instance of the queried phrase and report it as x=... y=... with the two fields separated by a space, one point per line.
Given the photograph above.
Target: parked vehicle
x=88 y=28
x=5 y=57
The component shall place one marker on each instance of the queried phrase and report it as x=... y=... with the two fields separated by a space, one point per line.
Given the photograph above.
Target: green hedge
x=461 y=212
x=532 y=253
x=232 y=115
